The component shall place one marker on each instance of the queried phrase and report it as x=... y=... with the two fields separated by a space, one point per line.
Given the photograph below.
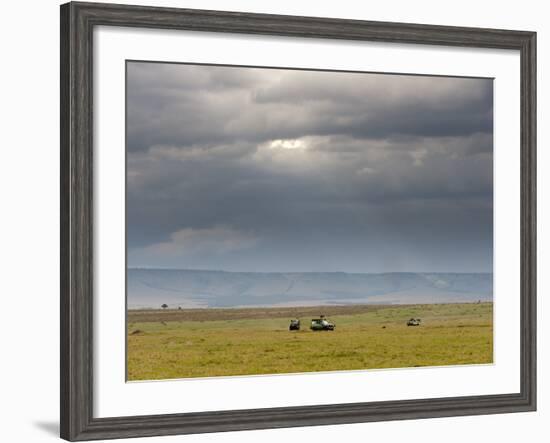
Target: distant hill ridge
x=203 y=288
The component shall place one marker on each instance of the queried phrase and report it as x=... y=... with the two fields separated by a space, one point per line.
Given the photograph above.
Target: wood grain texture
x=77 y=23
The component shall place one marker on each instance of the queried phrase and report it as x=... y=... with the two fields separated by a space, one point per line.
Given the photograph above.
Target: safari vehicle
x=294 y=325
x=413 y=322
x=321 y=324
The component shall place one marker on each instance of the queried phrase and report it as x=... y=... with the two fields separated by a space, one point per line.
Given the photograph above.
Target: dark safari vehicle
x=294 y=325
x=321 y=324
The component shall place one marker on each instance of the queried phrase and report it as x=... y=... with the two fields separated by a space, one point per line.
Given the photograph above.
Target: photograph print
x=293 y=221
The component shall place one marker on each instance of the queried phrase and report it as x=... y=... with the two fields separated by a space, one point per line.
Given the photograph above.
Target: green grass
x=365 y=338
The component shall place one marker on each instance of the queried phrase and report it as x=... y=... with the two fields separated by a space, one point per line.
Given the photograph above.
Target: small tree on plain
x=164 y=306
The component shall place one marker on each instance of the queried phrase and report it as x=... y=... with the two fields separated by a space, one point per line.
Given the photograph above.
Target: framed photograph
x=274 y=221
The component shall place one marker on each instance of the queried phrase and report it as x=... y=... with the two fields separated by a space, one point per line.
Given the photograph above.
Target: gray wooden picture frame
x=77 y=23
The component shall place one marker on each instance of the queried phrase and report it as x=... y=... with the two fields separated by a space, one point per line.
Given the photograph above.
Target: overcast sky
x=247 y=169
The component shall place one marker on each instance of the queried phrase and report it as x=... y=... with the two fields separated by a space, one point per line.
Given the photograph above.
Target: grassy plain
x=222 y=342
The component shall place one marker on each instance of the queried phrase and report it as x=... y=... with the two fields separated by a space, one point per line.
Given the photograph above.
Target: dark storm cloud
x=261 y=169
x=220 y=105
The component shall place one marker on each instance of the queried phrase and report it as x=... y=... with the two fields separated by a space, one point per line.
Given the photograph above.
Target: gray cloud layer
x=280 y=170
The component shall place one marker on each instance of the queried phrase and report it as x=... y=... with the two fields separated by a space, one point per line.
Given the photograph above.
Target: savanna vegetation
x=171 y=343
